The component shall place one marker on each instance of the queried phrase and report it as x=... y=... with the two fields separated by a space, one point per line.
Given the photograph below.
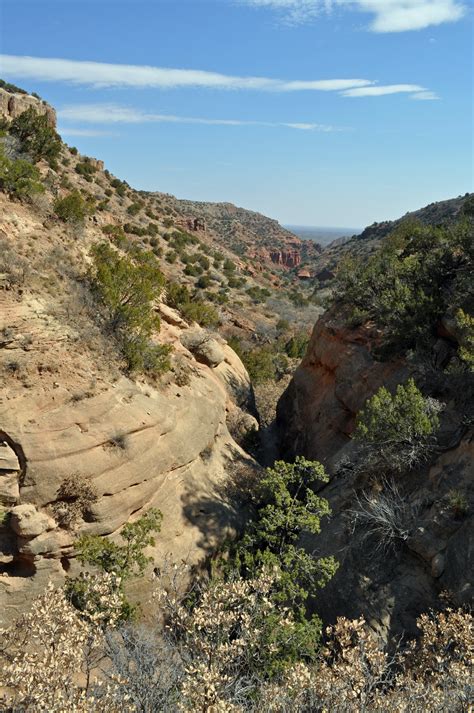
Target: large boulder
x=26 y=521
x=203 y=346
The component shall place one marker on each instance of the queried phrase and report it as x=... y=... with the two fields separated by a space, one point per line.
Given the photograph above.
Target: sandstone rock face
x=26 y=521
x=337 y=375
x=139 y=444
x=390 y=583
x=12 y=105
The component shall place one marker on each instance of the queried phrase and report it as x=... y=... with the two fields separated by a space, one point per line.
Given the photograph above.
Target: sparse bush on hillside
x=296 y=346
x=201 y=312
x=397 y=431
x=86 y=168
x=73 y=208
x=36 y=136
x=128 y=286
x=19 y=178
x=263 y=364
x=75 y=496
x=258 y=294
x=120 y=187
x=191 y=308
x=11 y=88
x=465 y=323
x=135 y=207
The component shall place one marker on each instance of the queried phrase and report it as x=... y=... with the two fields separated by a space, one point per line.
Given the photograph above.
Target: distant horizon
x=321 y=227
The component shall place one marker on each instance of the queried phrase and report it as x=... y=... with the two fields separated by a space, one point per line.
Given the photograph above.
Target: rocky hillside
x=75 y=420
x=251 y=235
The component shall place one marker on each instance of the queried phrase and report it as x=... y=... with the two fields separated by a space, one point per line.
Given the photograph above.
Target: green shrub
x=203 y=282
x=120 y=187
x=73 y=208
x=11 y=88
x=36 y=136
x=128 y=286
x=124 y=560
x=177 y=295
x=397 y=431
x=204 y=314
x=134 y=208
x=457 y=503
x=85 y=168
x=286 y=506
x=19 y=178
x=296 y=346
x=465 y=323
x=258 y=294
x=229 y=266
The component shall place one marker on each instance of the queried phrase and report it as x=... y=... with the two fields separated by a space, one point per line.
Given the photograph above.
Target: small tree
x=397 y=431
x=286 y=507
x=123 y=561
x=128 y=288
x=36 y=135
x=19 y=178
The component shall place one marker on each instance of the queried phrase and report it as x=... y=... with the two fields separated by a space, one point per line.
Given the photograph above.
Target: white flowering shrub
x=210 y=651
x=48 y=655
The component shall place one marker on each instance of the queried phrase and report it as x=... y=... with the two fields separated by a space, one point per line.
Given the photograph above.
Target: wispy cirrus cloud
x=102 y=74
x=380 y=91
x=116 y=114
x=67 y=131
x=387 y=15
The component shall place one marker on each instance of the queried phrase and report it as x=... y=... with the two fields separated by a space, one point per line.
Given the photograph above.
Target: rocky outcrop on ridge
x=12 y=105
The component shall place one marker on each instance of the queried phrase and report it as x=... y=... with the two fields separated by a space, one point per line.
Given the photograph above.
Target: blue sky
x=316 y=112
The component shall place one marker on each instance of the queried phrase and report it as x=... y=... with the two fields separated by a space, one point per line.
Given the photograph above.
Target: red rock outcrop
x=290 y=258
x=337 y=375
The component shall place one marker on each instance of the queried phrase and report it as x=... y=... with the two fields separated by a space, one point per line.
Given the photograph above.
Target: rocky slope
x=316 y=416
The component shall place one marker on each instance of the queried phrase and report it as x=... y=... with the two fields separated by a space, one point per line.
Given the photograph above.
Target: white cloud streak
x=100 y=74
x=388 y=15
x=116 y=114
x=380 y=91
x=85 y=132
x=425 y=96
